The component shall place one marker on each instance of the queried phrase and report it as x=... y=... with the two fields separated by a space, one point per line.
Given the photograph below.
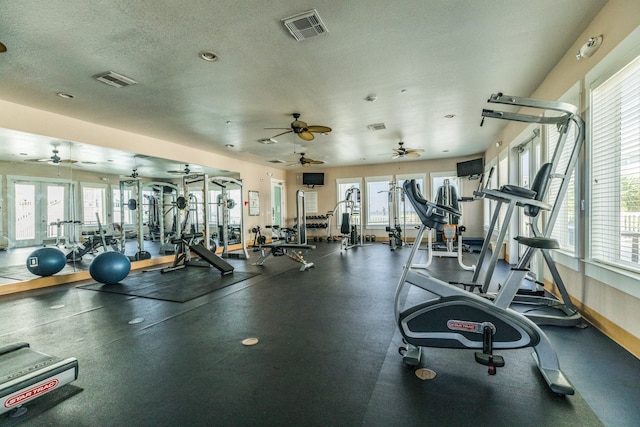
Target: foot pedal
x=486 y=356
x=493 y=361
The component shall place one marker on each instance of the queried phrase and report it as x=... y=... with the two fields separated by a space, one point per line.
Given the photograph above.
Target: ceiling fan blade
x=289 y=129
x=283 y=133
x=315 y=162
x=413 y=154
x=68 y=161
x=400 y=151
x=305 y=165
x=415 y=150
x=319 y=129
x=395 y=156
x=306 y=135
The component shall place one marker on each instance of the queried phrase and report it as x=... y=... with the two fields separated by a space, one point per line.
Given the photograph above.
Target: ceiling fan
x=306 y=162
x=185 y=171
x=406 y=152
x=55 y=159
x=302 y=129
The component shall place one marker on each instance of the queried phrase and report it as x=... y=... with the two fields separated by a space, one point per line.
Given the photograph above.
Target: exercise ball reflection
x=46 y=261
x=110 y=267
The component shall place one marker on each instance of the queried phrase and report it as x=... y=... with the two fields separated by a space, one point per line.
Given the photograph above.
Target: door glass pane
x=25 y=211
x=55 y=208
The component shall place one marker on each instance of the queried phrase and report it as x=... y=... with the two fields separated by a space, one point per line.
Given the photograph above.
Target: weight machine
x=293 y=251
x=157 y=214
x=396 y=195
x=133 y=204
x=351 y=227
x=198 y=189
x=451 y=231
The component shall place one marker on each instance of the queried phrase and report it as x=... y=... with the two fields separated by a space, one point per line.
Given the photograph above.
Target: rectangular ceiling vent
x=276 y=161
x=377 y=126
x=114 y=79
x=305 y=25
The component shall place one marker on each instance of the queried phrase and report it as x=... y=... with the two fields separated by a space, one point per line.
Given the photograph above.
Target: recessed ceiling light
x=209 y=56
x=65 y=95
x=449 y=116
x=445 y=151
x=267 y=141
x=229 y=145
x=23 y=154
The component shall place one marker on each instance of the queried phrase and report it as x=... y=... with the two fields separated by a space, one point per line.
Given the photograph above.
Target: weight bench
x=187 y=243
x=288 y=249
x=28 y=374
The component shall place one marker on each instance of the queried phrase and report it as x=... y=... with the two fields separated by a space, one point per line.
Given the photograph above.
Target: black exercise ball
x=110 y=267
x=46 y=261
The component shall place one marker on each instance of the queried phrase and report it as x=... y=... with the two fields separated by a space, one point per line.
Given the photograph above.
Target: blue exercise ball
x=110 y=267
x=46 y=261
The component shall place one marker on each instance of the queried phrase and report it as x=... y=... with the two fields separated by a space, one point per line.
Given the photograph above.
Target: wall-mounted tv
x=471 y=167
x=312 y=179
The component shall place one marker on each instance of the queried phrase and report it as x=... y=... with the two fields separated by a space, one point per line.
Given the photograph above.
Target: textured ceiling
x=420 y=60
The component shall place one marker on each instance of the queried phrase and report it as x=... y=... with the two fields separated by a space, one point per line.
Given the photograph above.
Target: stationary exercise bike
x=455 y=318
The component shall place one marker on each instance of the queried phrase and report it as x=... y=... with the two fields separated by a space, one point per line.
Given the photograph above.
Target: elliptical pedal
x=486 y=357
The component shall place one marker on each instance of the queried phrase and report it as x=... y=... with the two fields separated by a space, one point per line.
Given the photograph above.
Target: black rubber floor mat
x=178 y=286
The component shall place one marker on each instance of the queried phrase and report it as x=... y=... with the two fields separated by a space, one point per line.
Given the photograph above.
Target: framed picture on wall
x=254 y=203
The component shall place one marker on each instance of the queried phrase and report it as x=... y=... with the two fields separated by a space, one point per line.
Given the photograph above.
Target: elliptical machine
x=455 y=318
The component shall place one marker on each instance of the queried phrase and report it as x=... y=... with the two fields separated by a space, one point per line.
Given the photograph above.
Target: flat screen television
x=471 y=167
x=312 y=179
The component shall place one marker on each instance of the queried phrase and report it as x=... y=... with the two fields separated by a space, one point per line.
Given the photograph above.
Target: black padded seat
x=537 y=192
x=538 y=242
x=518 y=191
x=431 y=214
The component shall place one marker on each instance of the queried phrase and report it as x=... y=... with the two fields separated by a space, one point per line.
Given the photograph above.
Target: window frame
x=387 y=179
x=619 y=57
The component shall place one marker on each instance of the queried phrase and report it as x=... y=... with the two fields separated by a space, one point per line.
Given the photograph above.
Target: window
x=615 y=167
x=377 y=197
x=93 y=202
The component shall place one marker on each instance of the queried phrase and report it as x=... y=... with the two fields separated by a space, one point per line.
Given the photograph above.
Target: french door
x=38 y=211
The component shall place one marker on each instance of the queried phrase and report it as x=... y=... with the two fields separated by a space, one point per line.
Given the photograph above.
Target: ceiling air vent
x=305 y=25
x=377 y=126
x=115 y=79
x=276 y=161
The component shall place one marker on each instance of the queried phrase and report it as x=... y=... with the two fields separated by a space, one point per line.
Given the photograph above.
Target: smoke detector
x=114 y=79
x=305 y=25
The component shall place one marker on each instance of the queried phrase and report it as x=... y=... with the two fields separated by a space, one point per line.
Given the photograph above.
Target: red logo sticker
x=31 y=393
